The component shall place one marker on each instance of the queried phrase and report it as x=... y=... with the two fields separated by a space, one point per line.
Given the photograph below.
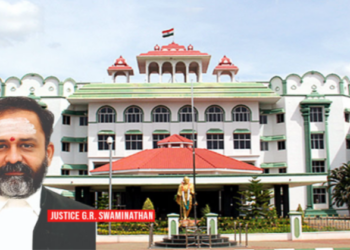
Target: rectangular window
x=83 y=121
x=215 y=141
x=133 y=117
x=65 y=146
x=65 y=119
x=347 y=117
x=161 y=114
x=281 y=145
x=264 y=146
x=319 y=196
x=263 y=119
x=241 y=141
x=266 y=171
x=64 y=172
x=347 y=144
x=282 y=170
x=189 y=136
x=133 y=142
x=83 y=147
x=157 y=138
x=316 y=115
x=102 y=142
x=317 y=141
x=318 y=167
x=83 y=172
x=280 y=118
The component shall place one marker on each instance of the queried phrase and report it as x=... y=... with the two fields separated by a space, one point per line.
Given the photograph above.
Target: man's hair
x=46 y=117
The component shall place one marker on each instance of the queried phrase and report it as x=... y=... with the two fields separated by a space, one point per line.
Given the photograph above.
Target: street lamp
x=110 y=142
x=194 y=159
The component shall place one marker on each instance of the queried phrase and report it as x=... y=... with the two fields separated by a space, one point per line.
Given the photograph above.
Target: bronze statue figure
x=184 y=197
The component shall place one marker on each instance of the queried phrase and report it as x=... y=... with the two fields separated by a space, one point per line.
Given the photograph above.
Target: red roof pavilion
x=176 y=157
x=173 y=50
x=225 y=64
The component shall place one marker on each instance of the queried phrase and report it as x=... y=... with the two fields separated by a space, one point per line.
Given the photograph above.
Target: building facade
x=296 y=129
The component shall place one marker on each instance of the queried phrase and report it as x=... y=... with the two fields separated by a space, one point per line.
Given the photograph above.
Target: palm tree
x=339 y=179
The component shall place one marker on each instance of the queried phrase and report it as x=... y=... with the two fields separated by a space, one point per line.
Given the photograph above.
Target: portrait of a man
x=25 y=154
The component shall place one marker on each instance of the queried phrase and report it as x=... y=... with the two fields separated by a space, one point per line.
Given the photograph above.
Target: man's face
x=23 y=156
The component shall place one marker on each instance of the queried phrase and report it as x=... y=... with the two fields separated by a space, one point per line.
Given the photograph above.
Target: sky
x=81 y=39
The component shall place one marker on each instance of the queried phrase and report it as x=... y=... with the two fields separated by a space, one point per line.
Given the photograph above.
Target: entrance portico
x=217 y=191
x=156 y=174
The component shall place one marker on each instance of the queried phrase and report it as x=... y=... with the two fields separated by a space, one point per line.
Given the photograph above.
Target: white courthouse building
x=294 y=130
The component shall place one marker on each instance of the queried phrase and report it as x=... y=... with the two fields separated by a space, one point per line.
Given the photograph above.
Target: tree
x=148 y=205
x=339 y=180
x=103 y=202
x=258 y=198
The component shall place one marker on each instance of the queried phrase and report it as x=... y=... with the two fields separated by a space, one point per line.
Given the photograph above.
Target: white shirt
x=17 y=221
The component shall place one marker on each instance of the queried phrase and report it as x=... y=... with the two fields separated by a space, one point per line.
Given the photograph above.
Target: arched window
x=133 y=114
x=106 y=115
x=185 y=114
x=241 y=114
x=214 y=114
x=161 y=114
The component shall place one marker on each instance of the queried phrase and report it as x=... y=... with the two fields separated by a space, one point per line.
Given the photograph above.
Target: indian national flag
x=167 y=33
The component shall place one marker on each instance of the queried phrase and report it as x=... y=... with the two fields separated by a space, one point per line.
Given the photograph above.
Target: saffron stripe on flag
x=167 y=31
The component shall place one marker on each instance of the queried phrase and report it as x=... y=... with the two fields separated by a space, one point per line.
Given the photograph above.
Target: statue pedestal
x=173 y=224
x=188 y=223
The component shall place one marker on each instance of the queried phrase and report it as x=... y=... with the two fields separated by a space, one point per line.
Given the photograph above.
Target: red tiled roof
x=173 y=49
x=119 y=68
x=225 y=64
x=120 y=65
x=176 y=158
x=228 y=67
x=175 y=138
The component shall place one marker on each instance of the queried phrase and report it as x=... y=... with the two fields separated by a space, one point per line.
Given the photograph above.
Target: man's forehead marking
x=19 y=125
x=12 y=138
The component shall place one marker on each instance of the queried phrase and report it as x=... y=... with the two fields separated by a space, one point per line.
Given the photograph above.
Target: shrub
x=205 y=210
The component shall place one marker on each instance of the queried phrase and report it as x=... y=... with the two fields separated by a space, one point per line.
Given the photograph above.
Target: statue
x=184 y=197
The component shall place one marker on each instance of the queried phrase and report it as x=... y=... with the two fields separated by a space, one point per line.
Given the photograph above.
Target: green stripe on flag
x=170 y=34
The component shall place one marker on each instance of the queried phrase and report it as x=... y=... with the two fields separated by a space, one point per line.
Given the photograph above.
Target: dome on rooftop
x=225 y=61
x=120 y=62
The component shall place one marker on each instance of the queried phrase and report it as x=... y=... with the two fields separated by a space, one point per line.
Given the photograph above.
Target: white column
x=218 y=76
x=160 y=73
x=200 y=72
x=147 y=76
x=187 y=71
x=127 y=77
x=173 y=74
x=233 y=76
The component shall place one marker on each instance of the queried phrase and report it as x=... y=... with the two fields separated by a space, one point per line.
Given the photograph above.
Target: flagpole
x=194 y=159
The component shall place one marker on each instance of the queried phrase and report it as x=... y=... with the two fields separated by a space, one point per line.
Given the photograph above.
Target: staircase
x=195 y=241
